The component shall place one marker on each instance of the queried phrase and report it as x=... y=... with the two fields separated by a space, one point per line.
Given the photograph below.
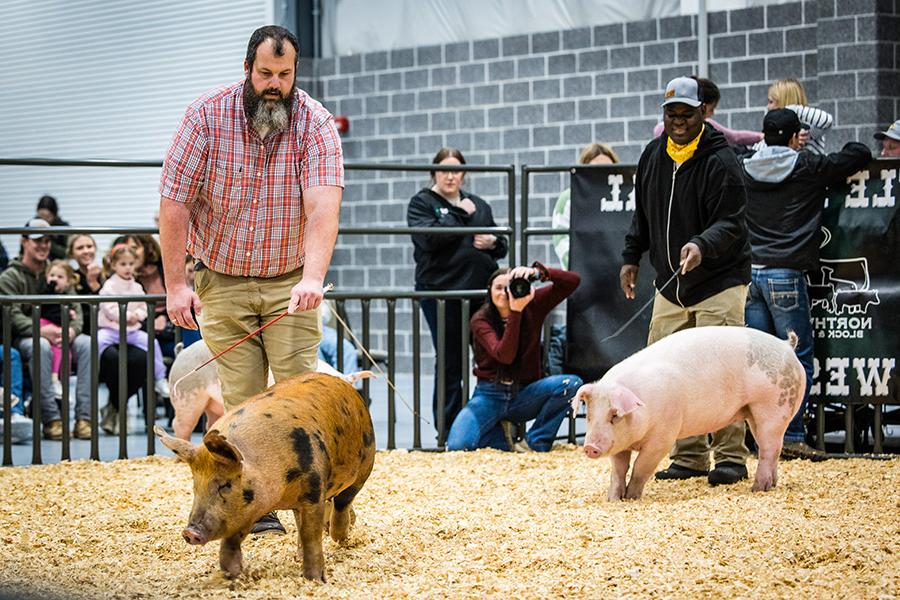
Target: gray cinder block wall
x=537 y=99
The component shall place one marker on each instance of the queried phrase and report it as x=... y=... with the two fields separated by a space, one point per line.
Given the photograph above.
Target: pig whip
x=641 y=309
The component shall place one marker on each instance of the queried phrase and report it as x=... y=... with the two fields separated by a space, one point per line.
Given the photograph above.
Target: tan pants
x=725 y=308
x=235 y=306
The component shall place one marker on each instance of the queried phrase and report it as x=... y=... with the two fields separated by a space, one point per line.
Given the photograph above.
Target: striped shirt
x=246 y=194
x=819 y=122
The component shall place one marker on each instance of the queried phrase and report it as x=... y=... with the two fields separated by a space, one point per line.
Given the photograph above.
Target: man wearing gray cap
x=689 y=215
x=24 y=277
x=890 y=140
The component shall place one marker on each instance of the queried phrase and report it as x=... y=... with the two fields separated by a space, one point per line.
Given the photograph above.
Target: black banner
x=855 y=293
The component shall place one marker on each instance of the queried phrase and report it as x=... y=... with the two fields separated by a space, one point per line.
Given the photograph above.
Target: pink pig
x=692 y=382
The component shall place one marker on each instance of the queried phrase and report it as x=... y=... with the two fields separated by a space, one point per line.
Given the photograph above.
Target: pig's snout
x=193 y=536
x=592 y=450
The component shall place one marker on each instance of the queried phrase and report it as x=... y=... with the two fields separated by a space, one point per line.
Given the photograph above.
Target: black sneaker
x=267 y=524
x=792 y=450
x=727 y=473
x=678 y=472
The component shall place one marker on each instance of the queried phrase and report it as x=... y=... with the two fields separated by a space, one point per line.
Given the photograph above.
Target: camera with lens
x=519 y=287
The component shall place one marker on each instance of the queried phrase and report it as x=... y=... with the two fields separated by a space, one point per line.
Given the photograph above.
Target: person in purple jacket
x=506 y=335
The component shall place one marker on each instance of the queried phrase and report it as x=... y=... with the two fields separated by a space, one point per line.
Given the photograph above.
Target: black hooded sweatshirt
x=451 y=262
x=785 y=196
x=706 y=207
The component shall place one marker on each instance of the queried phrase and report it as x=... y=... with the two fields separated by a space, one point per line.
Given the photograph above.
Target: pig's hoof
x=315 y=574
x=615 y=496
x=763 y=486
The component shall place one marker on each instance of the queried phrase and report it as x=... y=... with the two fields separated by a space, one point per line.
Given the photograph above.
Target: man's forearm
x=322 y=219
x=173 y=226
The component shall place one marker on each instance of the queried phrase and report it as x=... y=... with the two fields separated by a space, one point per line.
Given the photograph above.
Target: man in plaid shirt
x=251 y=188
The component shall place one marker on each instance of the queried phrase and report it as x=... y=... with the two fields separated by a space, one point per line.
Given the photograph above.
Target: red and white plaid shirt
x=246 y=194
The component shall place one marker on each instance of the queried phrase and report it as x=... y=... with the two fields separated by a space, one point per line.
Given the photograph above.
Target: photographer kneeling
x=506 y=334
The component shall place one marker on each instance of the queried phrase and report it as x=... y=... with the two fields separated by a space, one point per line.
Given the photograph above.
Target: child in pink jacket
x=119 y=267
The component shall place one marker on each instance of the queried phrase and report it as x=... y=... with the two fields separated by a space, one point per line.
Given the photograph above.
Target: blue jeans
x=454 y=370
x=545 y=400
x=328 y=351
x=777 y=302
x=15 y=379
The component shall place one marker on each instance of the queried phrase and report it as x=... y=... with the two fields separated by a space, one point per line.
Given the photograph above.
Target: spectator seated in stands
x=506 y=334
x=4 y=257
x=25 y=277
x=890 y=141
x=48 y=210
x=119 y=269
x=82 y=250
x=20 y=425
x=59 y=279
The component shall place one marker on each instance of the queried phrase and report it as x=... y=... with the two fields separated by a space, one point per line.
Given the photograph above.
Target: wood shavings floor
x=468 y=525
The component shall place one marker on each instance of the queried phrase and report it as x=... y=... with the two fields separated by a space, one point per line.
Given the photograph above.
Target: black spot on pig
x=338 y=430
x=344 y=411
x=320 y=442
x=268 y=394
x=302 y=448
x=368 y=439
x=345 y=498
x=313 y=487
x=239 y=412
x=267 y=415
x=292 y=475
x=248 y=496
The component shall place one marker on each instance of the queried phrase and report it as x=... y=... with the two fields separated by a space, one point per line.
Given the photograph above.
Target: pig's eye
x=224 y=489
x=614 y=417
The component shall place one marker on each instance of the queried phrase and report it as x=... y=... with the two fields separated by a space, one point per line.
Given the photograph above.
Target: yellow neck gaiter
x=680 y=153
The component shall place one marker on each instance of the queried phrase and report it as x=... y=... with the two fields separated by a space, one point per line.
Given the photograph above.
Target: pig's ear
x=623 y=401
x=221 y=449
x=182 y=448
x=582 y=395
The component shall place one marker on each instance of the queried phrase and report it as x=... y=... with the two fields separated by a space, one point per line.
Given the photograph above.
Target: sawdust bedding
x=468 y=525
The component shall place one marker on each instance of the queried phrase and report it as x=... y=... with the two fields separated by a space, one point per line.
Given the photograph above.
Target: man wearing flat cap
x=786 y=189
x=689 y=215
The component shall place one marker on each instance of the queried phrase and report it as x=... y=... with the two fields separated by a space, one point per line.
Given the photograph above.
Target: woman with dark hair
x=506 y=334
x=48 y=210
x=451 y=262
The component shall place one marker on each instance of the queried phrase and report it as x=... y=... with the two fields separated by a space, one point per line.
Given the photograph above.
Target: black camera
x=519 y=287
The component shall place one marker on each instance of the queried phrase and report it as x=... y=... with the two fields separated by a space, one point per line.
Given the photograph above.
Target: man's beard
x=267 y=116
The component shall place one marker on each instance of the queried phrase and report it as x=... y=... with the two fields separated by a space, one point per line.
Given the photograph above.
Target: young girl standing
x=119 y=267
x=59 y=279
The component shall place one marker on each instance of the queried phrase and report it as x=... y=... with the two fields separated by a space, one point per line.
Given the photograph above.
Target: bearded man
x=251 y=188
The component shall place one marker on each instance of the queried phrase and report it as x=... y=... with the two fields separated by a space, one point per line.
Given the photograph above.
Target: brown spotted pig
x=303 y=441
x=197 y=392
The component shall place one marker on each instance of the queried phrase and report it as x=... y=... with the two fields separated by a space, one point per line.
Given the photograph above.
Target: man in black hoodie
x=785 y=197
x=689 y=214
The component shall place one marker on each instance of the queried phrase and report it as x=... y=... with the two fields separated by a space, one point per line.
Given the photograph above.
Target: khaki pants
x=235 y=306
x=725 y=308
